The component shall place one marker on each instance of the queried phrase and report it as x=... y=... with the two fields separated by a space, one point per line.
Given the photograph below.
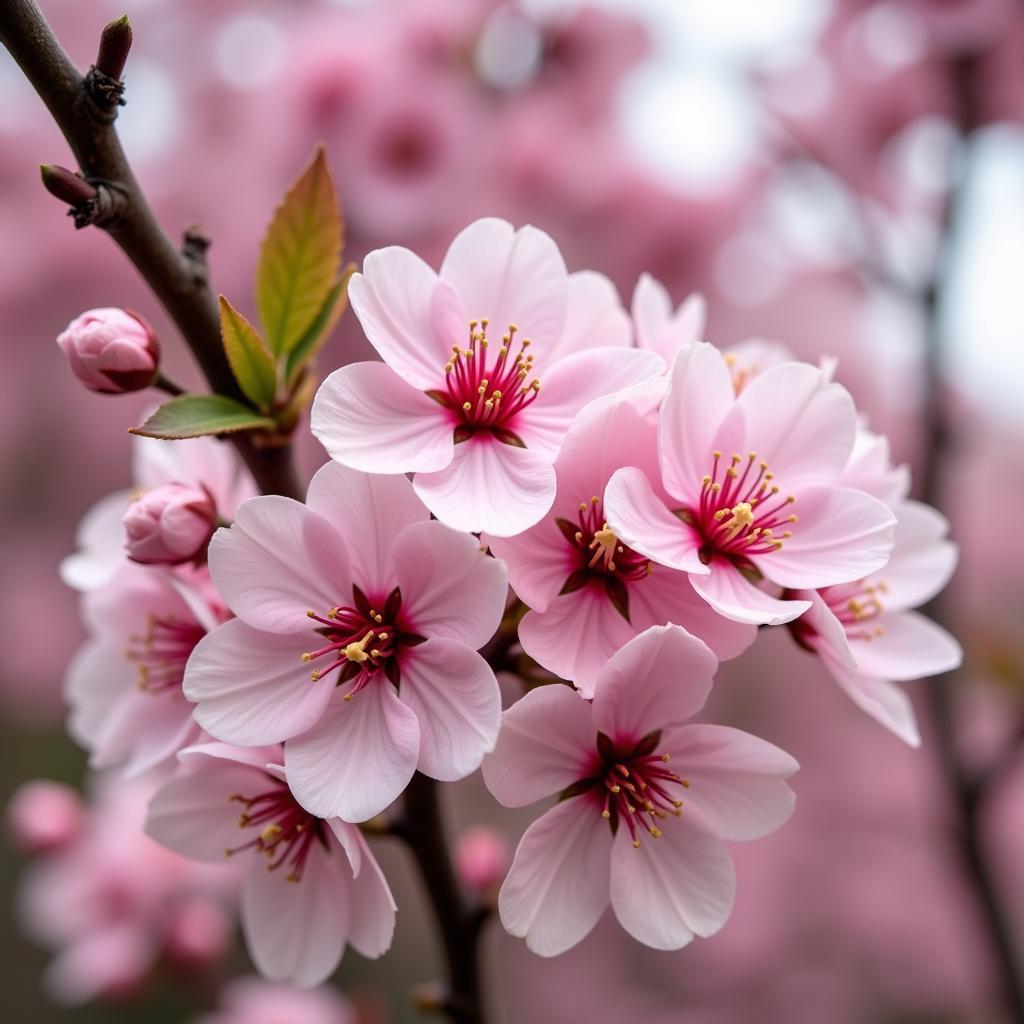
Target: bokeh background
x=843 y=176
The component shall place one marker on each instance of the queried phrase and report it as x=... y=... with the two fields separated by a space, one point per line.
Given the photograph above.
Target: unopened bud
x=169 y=525
x=198 y=935
x=482 y=857
x=111 y=350
x=44 y=816
x=67 y=186
x=115 y=42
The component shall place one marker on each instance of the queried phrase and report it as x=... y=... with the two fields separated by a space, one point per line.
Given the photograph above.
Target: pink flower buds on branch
x=482 y=858
x=104 y=78
x=44 y=816
x=111 y=350
x=170 y=525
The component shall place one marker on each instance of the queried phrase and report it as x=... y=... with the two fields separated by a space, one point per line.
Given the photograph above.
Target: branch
x=84 y=108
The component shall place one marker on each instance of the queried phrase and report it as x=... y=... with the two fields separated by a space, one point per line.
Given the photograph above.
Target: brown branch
x=84 y=108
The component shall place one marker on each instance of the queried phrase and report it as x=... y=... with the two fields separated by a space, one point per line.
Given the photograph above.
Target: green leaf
x=320 y=329
x=251 y=363
x=300 y=257
x=198 y=415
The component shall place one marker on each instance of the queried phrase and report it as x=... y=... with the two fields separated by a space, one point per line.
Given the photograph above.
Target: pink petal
x=545 y=744
x=594 y=318
x=870 y=469
x=798 y=423
x=700 y=396
x=669 y=889
x=660 y=678
x=659 y=328
x=539 y=561
x=252 y=687
x=557 y=887
x=911 y=647
x=144 y=731
x=840 y=535
x=922 y=560
x=394 y=300
x=570 y=383
x=372 y=918
x=737 y=781
x=639 y=518
x=100 y=543
x=457 y=703
x=369 y=418
x=107 y=959
x=358 y=758
x=732 y=595
x=371 y=510
x=510 y=277
x=296 y=931
x=278 y=560
x=829 y=639
x=490 y=486
x=884 y=701
x=97 y=677
x=450 y=588
x=576 y=635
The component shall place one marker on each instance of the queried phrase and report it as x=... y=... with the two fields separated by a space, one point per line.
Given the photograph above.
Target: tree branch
x=85 y=116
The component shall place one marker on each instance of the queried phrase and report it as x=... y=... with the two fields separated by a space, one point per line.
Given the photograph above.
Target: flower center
x=361 y=640
x=740 y=510
x=742 y=373
x=488 y=395
x=284 y=832
x=161 y=652
x=603 y=558
x=856 y=605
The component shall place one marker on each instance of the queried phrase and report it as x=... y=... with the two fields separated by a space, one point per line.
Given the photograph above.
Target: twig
x=84 y=108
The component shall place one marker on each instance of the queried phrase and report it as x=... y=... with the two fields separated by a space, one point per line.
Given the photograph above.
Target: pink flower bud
x=198 y=936
x=482 y=858
x=44 y=816
x=111 y=350
x=169 y=525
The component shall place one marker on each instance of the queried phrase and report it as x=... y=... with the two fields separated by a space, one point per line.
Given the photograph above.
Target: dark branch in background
x=84 y=108
x=970 y=790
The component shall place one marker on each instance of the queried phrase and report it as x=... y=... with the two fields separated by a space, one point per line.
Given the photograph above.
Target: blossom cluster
x=601 y=496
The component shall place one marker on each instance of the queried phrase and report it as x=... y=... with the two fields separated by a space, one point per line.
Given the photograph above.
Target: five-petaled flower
x=645 y=800
x=358 y=623
x=485 y=365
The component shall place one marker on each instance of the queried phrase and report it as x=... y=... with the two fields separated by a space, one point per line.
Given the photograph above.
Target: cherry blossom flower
x=458 y=400
x=645 y=800
x=124 y=684
x=386 y=609
x=866 y=634
x=589 y=593
x=658 y=327
x=169 y=525
x=323 y=890
x=255 y=1001
x=737 y=469
x=201 y=463
x=113 y=351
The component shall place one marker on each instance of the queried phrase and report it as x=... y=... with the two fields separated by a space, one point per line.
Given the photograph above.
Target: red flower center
x=485 y=394
x=161 y=652
x=285 y=832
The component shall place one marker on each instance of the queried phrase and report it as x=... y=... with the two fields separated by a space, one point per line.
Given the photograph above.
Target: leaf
x=199 y=415
x=300 y=257
x=251 y=363
x=307 y=347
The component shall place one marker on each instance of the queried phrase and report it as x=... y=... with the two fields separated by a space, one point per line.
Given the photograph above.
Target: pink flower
x=124 y=684
x=482 y=857
x=111 y=350
x=735 y=470
x=201 y=464
x=657 y=327
x=627 y=826
x=470 y=417
x=323 y=890
x=254 y=1001
x=44 y=816
x=170 y=524
x=589 y=593
x=865 y=633
x=388 y=606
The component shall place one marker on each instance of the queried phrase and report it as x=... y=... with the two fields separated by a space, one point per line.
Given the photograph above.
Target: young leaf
x=300 y=257
x=198 y=415
x=320 y=329
x=251 y=363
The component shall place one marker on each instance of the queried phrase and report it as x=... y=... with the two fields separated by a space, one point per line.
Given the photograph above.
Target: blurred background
x=843 y=176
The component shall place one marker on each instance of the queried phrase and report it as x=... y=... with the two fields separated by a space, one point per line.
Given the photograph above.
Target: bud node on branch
x=194 y=243
x=103 y=208
x=106 y=93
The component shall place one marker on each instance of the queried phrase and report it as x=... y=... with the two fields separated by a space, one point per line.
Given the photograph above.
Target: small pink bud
x=169 y=525
x=198 y=936
x=111 y=350
x=44 y=816
x=482 y=858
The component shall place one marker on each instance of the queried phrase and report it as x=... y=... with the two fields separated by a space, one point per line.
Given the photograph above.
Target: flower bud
x=44 y=816
x=111 y=350
x=169 y=525
x=482 y=859
x=198 y=935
